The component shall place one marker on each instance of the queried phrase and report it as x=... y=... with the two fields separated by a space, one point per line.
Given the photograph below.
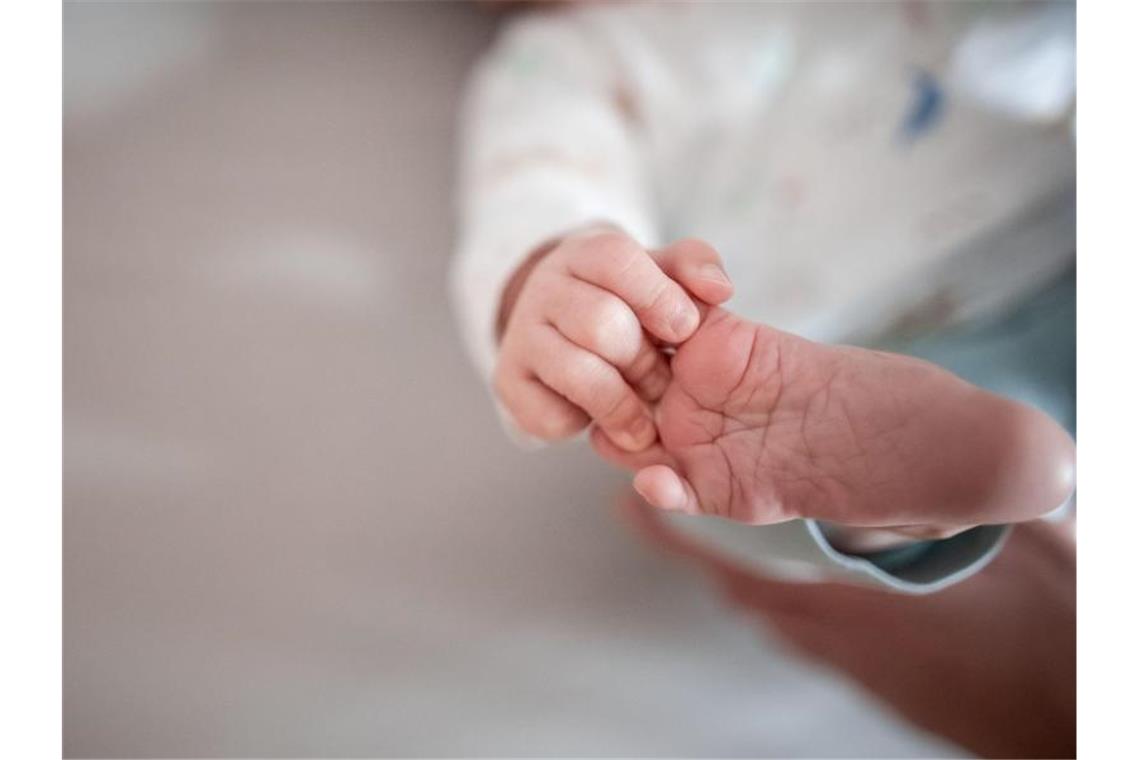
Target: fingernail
x=684 y=320
x=714 y=273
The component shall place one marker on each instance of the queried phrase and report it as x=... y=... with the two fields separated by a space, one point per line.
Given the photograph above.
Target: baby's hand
x=576 y=341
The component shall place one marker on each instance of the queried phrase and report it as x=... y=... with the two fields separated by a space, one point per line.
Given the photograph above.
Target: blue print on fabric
x=926 y=106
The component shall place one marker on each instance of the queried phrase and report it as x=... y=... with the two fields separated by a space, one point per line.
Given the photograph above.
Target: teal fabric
x=923 y=568
x=1029 y=354
x=928 y=562
x=900 y=557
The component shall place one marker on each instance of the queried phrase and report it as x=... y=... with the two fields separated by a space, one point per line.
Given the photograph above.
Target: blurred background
x=293 y=525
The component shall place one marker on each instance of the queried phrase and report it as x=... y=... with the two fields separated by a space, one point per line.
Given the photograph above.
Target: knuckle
x=613 y=248
x=600 y=391
x=661 y=298
x=645 y=361
x=622 y=408
x=613 y=331
x=585 y=376
x=594 y=384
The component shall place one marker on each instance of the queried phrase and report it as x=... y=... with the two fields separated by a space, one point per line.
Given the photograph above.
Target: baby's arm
x=557 y=292
x=545 y=150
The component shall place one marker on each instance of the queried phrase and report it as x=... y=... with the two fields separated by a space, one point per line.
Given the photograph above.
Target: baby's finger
x=603 y=324
x=617 y=264
x=697 y=266
x=539 y=411
x=662 y=487
x=649 y=373
x=627 y=460
x=595 y=386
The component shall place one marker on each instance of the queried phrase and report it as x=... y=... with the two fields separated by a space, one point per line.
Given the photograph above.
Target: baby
x=857 y=173
x=750 y=423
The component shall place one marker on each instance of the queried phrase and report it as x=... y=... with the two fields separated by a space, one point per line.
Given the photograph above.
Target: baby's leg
x=763 y=426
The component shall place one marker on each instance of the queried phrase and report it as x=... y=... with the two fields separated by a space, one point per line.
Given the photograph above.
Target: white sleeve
x=546 y=147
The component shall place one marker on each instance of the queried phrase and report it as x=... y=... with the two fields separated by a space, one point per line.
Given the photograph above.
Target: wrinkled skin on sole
x=762 y=426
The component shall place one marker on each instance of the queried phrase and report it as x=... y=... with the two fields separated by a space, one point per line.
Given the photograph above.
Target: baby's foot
x=762 y=426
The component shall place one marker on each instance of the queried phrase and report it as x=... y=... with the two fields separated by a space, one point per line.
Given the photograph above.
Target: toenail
x=673 y=496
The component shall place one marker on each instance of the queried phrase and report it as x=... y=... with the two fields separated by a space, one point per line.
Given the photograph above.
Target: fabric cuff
x=923 y=567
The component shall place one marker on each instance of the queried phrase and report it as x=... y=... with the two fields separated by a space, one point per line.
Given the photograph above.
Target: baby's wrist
x=515 y=284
